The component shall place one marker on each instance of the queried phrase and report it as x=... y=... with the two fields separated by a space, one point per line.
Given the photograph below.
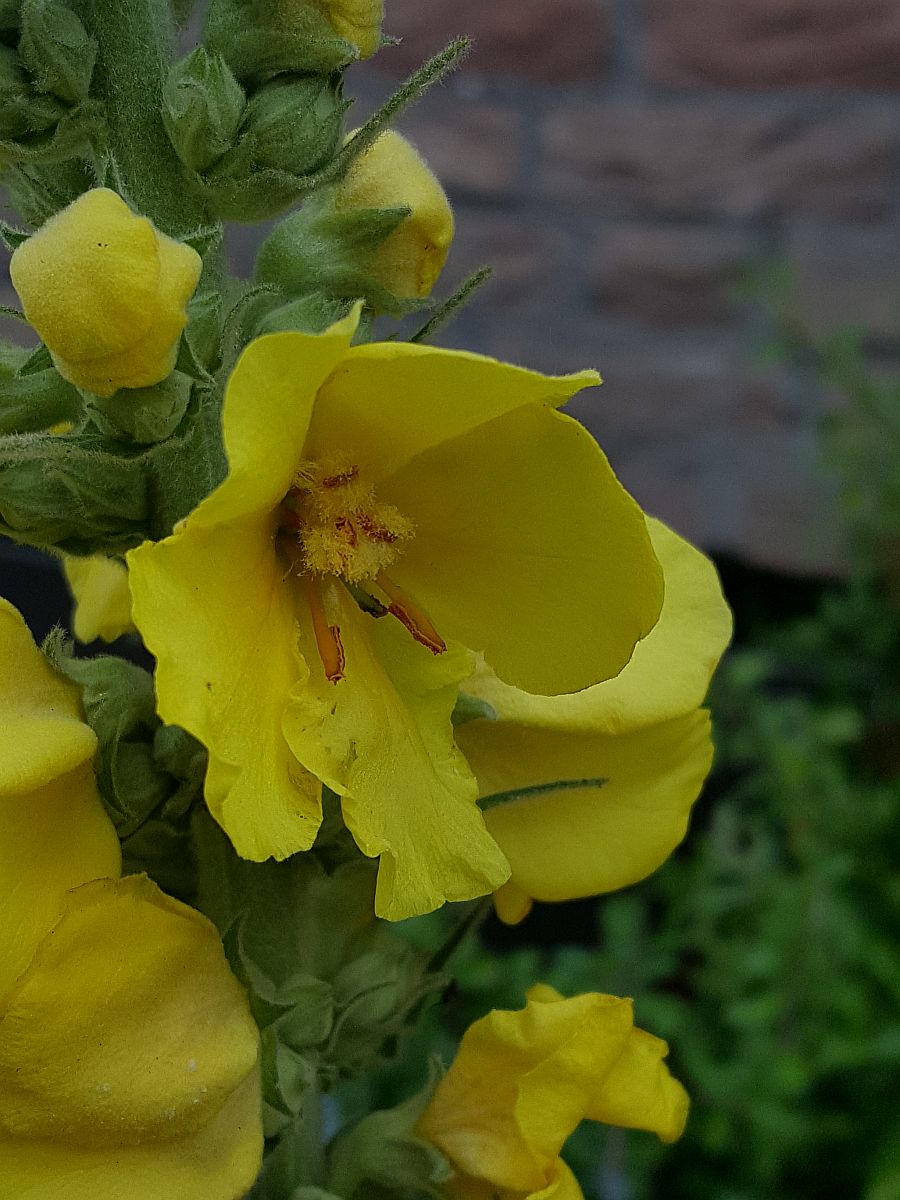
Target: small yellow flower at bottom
x=523 y=1081
x=128 y=1056
x=107 y=293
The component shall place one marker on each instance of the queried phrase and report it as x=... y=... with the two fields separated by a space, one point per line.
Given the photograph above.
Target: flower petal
x=99 y=586
x=218 y=1162
x=265 y=417
x=382 y=739
x=213 y=606
x=53 y=839
x=127 y=1027
x=389 y=401
x=529 y=549
x=669 y=672
x=42 y=733
x=563 y=844
x=639 y=1092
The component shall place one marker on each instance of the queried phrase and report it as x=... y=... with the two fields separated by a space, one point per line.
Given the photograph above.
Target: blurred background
x=700 y=198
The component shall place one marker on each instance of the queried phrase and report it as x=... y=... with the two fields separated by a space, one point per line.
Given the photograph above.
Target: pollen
x=341 y=527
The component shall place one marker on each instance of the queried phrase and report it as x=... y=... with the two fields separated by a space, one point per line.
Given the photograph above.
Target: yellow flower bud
x=357 y=21
x=391 y=174
x=107 y=292
x=99 y=587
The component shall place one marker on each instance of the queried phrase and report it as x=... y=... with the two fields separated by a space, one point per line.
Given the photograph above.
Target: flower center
x=343 y=532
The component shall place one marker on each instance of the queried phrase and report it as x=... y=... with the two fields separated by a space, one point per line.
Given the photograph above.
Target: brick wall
x=619 y=163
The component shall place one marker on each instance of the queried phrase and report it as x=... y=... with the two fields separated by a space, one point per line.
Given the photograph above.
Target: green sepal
x=143 y=415
x=62 y=134
x=313 y=313
x=11 y=237
x=22 y=111
x=37 y=193
x=149 y=775
x=247 y=35
x=57 y=50
x=202 y=108
x=320 y=250
x=198 y=354
x=83 y=493
x=290 y=131
x=382 y=1155
x=33 y=401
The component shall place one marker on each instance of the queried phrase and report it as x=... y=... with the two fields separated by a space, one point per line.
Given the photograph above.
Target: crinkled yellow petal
x=529 y=549
x=669 y=672
x=51 y=840
x=127 y=1027
x=389 y=401
x=639 y=1092
x=522 y=1081
x=220 y=1161
x=99 y=586
x=359 y=21
x=382 y=739
x=563 y=1186
x=582 y=841
x=42 y=734
x=213 y=605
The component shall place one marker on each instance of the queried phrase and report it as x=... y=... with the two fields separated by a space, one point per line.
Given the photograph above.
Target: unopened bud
x=106 y=291
x=57 y=49
x=202 y=108
x=392 y=174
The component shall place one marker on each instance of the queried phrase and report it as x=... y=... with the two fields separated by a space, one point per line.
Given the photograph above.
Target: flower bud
x=294 y=125
x=57 y=49
x=392 y=174
x=107 y=293
x=202 y=108
x=291 y=128
x=357 y=21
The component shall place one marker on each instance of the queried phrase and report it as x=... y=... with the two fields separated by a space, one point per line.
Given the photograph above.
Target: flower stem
x=136 y=40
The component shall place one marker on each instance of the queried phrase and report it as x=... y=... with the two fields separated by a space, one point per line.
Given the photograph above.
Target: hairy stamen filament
x=411 y=615
x=328 y=637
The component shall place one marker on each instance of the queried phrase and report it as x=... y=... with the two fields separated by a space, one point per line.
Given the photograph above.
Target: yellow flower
x=128 y=1057
x=392 y=174
x=643 y=733
x=99 y=586
x=523 y=1081
x=107 y=293
x=431 y=486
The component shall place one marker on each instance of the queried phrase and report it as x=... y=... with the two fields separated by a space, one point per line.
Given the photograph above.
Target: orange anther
x=411 y=615
x=328 y=637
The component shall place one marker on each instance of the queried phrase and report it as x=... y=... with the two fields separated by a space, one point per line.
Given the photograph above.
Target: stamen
x=340 y=478
x=374 y=530
x=328 y=637
x=409 y=614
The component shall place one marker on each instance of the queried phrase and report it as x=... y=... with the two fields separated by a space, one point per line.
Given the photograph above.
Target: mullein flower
x=629 y=755
x=99 y=587
x=128 y=1057
x=392 y=174
x=385 y=506
x=107 y=293
x=523 y=1081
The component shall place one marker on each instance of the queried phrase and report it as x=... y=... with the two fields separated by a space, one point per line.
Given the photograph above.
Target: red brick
x=774 y=43
x=471 y=146
x=527 y=258
x=847 y=276
x=669 y=275
x=688 y=159
x=546 y=41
